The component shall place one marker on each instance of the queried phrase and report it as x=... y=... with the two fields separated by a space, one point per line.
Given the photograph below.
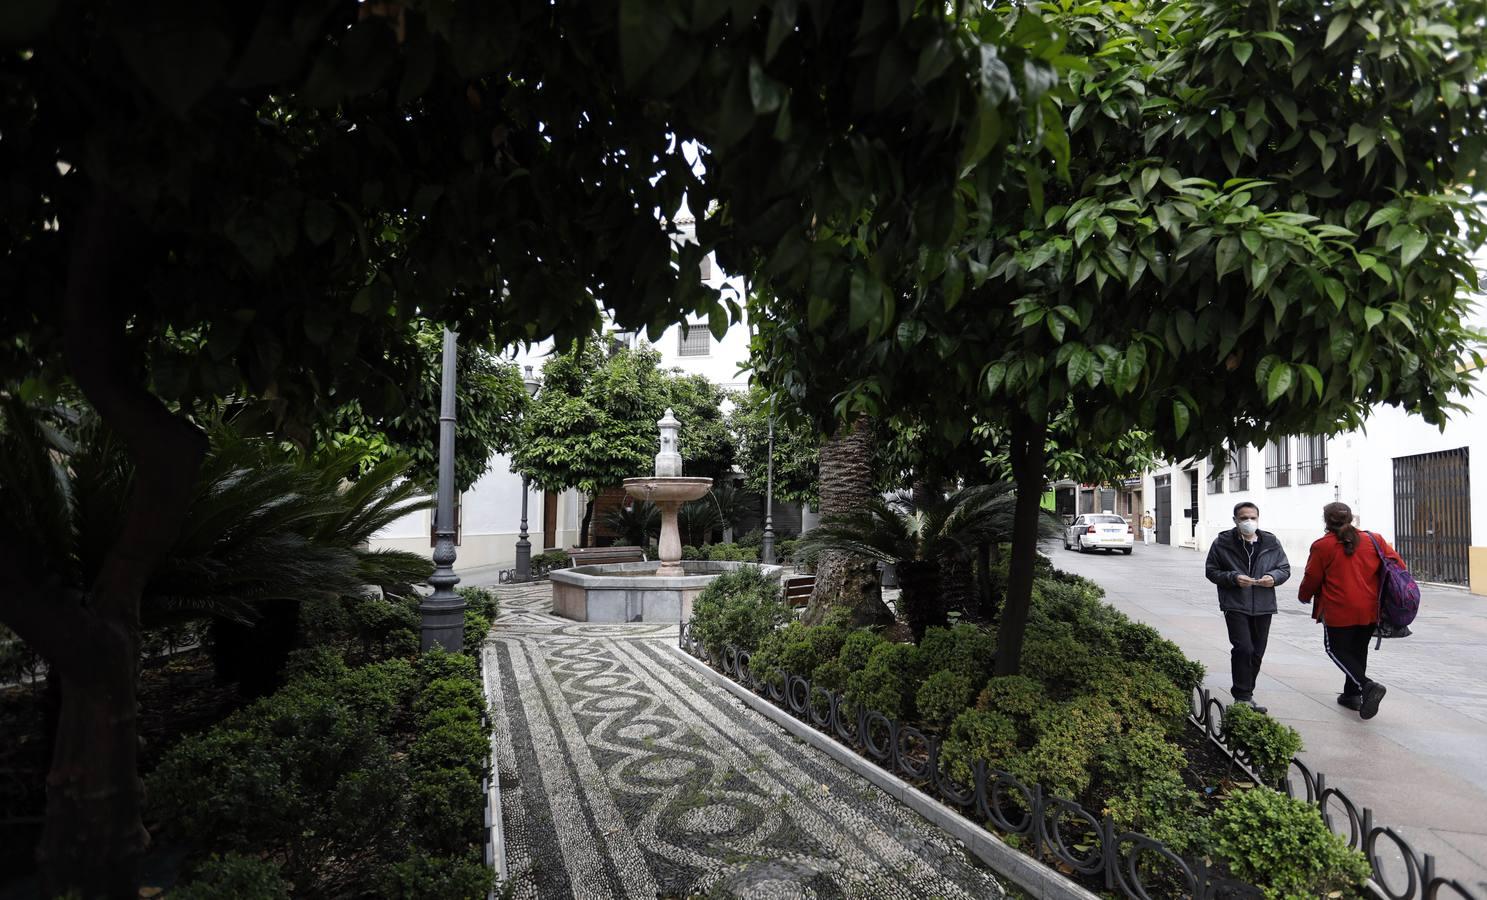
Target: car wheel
x=1081 y=548
x=1127 y=551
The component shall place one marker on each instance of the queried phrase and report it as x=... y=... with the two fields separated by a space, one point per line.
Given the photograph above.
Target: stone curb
x=1033 y=877
x=495 y=847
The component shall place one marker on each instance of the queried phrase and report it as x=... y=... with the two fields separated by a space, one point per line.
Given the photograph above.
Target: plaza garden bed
x=1094 y=759
x=363 y=775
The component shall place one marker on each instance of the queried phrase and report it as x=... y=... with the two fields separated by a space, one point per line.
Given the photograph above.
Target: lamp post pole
x=766 y=551
x=523 y=571
x=443 y=612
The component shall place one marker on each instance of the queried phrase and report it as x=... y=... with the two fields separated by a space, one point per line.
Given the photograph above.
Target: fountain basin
x=633 y=592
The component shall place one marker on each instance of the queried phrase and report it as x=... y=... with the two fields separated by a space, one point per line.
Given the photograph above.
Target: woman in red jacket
x=1342 y=575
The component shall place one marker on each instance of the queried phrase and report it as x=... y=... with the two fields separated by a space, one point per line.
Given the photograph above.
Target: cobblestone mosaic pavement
x=625 y=775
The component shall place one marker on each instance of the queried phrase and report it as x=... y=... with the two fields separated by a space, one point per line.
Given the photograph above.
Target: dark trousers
x=1247 y=636
x=1348 y=647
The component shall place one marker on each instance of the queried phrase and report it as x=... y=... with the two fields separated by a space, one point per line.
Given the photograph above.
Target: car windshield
x=1106 y=520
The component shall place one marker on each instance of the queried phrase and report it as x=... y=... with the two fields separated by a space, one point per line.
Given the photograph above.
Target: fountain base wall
x=632 y=592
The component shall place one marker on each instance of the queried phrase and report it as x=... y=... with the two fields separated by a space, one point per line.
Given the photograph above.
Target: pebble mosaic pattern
x=623 y=774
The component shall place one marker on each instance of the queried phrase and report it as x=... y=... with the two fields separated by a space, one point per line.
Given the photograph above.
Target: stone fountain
x=647 y=591
x=668 y=489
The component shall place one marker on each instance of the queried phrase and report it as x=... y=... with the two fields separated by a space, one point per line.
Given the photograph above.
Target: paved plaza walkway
x=624 y=774
x=1421 y=765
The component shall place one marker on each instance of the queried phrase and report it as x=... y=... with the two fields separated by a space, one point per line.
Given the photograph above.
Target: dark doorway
x=1192 y=502
x=1432 y=514
x=1164 y=509
x=549 y=520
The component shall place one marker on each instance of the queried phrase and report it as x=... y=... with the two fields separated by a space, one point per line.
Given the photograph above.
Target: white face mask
x=1249 y=526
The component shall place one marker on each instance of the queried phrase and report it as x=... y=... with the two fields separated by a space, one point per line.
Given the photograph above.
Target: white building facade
x=1423 y=489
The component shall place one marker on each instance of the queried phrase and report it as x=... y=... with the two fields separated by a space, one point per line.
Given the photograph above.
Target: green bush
x=1142 y=643
x=738 y=608
x=1017 y=697
x=1270 y=745
x=977 y=734
x=1069 y=736
x=691 y=552
x=482 y=600
x=549 y=560
x=754 y=537
x=943 y=696
x=886 y=684
x=966 y=649
x=1160 y=806
x=422 y=876
x=831 y=676
x=1281 y=845
x=341 y=764
x=797 y=649
x=233 y=876
x=858 y=648
x=731 y=553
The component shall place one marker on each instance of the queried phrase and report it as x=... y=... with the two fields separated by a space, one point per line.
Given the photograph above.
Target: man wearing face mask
x=1247 y=564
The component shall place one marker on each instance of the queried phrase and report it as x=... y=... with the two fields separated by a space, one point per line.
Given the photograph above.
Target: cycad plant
x=699 y=519
x=638 y=525
x=918 y=541
x=268 y=527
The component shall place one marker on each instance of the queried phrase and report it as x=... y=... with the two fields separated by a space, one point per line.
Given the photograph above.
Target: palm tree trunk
x=583 y=526
x=1029 y=455
x=842 y=580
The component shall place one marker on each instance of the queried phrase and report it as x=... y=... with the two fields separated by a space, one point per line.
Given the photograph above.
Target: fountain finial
x=669 y=461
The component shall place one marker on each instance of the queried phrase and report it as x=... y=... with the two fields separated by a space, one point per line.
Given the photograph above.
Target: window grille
x=1215 y=480
x=694 y=340
x=1239 y=469
x=1311 y=460
x=1278 y=463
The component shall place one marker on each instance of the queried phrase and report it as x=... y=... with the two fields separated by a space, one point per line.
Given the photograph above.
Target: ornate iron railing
x=1095 y=848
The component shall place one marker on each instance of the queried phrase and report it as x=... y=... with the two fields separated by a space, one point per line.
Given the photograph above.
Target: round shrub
x=966 y=649
x=886 y=683
x=425 y=877
x=1142 y=643
x=943 y=696
x=1282 y=846
x=739 y=608
x=831 y=676
x=858 y=648
x=233 y=876
x=977 y=734
x=797 y=649
x=1016 y=696
x=1269 y=744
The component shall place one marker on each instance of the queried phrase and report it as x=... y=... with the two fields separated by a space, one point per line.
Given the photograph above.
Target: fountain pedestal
x=668 y=493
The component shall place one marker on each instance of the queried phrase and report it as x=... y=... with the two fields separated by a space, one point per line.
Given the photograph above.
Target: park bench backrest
x=798 y=589
x=593 y=556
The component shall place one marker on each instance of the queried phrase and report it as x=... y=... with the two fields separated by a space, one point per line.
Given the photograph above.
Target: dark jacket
x=1228 y=559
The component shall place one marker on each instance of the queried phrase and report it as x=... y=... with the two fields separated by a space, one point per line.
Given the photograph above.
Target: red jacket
x=1346 y=588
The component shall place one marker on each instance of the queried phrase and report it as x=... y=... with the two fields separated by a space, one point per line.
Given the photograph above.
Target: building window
x=1215 y=479
x=1311 y=460
x=707 y=268
x=1239 y=469
x=1278 y=463
x=693 y=340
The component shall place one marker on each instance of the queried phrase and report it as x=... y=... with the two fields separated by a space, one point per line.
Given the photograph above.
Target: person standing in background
x=1344 y=581
x=1247 y=564
x=1148 y=528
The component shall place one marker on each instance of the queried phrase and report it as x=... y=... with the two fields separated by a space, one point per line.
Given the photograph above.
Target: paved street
x=1421 y=765
x=623 y=774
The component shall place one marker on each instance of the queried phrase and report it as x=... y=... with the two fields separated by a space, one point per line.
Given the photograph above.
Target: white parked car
x=1100 y=531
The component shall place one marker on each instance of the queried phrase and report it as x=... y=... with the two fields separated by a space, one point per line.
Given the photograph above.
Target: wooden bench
x=593 y=556
x=798 y=590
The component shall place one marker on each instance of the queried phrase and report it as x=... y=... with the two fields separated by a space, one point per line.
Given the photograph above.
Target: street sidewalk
x=1421 y=764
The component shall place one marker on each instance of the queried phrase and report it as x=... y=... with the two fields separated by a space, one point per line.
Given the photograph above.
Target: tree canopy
x=797 y=447
x=1264 y=227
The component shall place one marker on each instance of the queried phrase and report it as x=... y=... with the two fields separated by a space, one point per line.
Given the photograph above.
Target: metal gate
x=1432 y=514
x=1164 y=509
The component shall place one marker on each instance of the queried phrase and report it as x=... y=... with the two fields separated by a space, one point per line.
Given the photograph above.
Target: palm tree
x=919 y=541
x=637 y=524
x=845 y=581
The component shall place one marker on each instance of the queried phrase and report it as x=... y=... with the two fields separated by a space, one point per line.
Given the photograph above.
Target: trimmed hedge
x=350 y=780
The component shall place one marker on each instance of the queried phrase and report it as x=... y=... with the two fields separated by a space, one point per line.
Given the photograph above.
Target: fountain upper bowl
x=657 y=489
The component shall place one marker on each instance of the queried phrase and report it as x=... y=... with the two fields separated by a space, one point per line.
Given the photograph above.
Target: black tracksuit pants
x=1248 y=636
x=1348 y=647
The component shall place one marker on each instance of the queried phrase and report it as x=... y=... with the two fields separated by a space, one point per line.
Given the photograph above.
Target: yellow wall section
x=1476 y=569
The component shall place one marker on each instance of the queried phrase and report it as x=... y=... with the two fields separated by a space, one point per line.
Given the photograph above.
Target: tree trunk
x=843 y=580
x=94 y=836
x=920 y=601
x=1028 y=457
x=583 y=526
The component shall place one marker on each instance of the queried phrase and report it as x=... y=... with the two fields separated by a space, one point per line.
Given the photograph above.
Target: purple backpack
x=1399 y=595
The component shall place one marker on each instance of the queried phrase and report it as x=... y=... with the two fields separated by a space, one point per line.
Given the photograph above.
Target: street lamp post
x=766 y=551
x=523 y=545
x=443 y=611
